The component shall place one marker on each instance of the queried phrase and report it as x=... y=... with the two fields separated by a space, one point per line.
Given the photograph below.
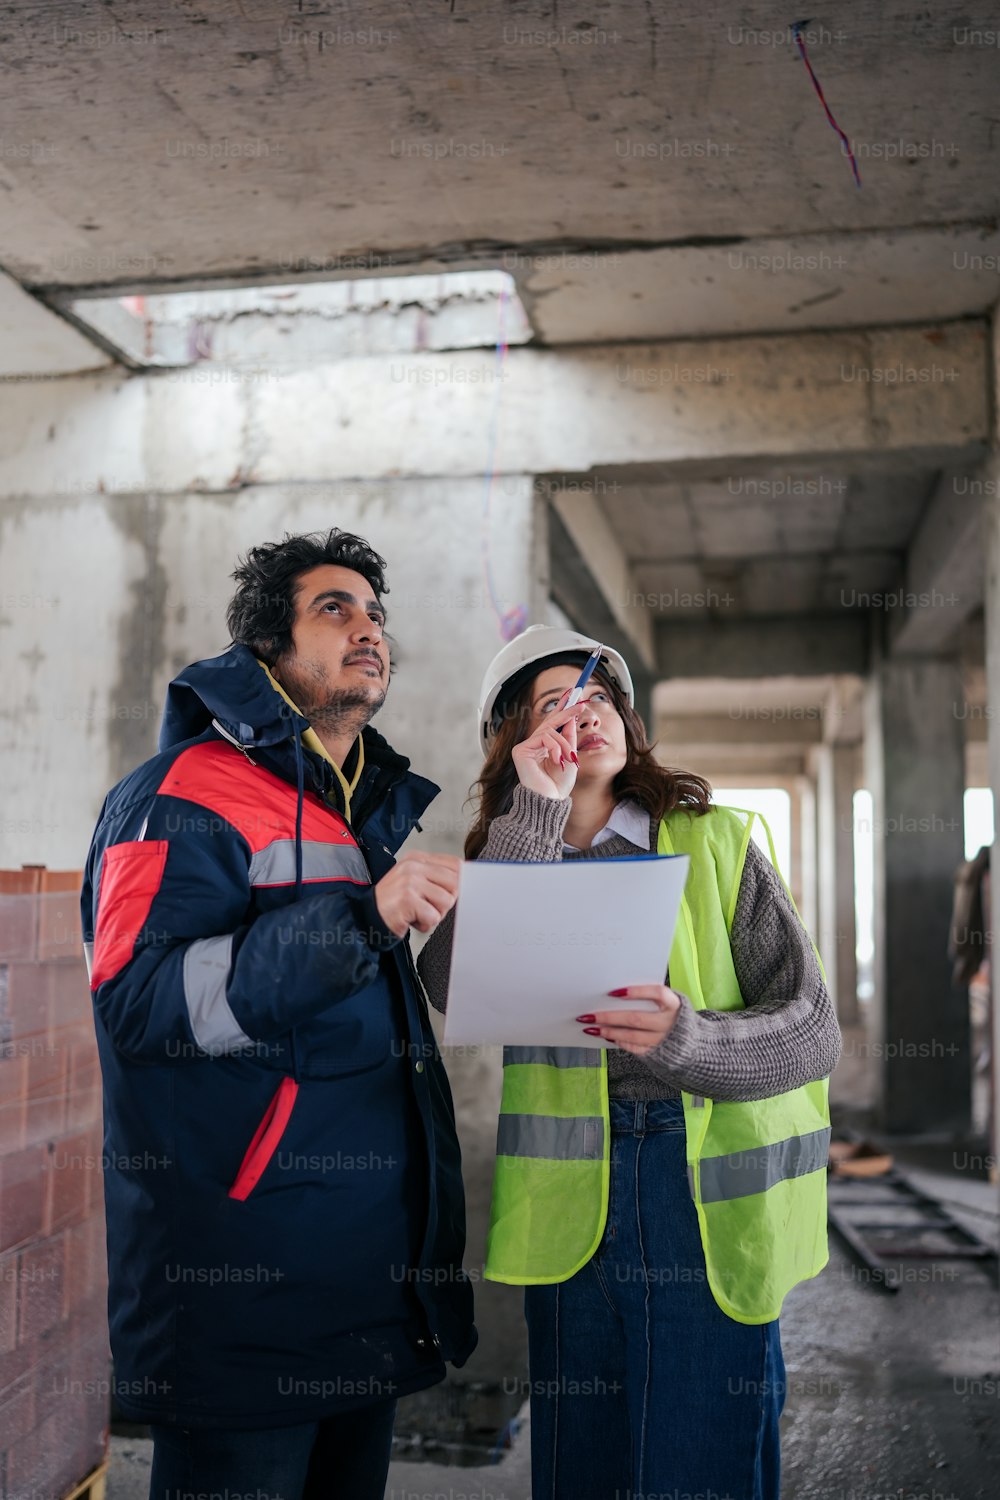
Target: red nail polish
x=617 y=993
x=584 y=1018
x=576 y=758
x=592 y=1030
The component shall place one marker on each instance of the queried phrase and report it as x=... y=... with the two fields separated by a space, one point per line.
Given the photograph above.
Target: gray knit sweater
x=788 y=1033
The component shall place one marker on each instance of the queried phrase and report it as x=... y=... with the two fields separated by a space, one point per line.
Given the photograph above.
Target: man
x=286 y=1220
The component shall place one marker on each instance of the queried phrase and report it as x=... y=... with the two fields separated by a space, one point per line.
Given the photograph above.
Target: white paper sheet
x=538 y=944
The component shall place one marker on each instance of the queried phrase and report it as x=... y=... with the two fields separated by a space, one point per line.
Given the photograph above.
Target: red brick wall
x=55 y=1367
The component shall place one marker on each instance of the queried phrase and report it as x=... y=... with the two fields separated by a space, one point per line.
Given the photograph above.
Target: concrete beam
x=840 y=280
x=575 y=293
x=944 y=567
x=578 y=594
x=843 y=712
x=886 y=392
x=760 y=648
x=588 y=529
x=35 y=341
x=735 y=765
x=763 y=726
x=746 y=766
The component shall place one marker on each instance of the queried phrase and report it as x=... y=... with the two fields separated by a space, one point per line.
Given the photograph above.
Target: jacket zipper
x=233 y=741
x=419 y=990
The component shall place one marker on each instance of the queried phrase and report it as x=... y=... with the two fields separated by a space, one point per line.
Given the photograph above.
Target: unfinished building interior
x=581 y=319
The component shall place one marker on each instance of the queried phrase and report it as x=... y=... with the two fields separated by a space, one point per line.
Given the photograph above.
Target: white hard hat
x=530 y=649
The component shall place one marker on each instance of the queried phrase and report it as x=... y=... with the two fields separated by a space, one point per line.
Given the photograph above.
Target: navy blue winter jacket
x=286 y=1220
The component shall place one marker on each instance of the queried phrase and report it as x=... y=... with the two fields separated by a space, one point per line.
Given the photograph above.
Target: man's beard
x=340 y=710
x=346 y=710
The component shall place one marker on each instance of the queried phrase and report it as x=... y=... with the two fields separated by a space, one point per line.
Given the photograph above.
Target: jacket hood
x=233 y=689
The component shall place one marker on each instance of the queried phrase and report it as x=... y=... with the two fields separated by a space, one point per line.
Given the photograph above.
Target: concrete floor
x=896 y=1395
x=128 y=1478
x=890 y=1396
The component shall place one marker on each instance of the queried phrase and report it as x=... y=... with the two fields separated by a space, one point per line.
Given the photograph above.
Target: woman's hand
x=546 y=761
x=636 y=1031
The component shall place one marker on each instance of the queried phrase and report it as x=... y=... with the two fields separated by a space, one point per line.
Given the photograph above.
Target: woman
x=681 y=1190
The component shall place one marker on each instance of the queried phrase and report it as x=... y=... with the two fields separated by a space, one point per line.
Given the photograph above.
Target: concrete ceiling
x=643 y=171
x=825 y=542
x=789 y=540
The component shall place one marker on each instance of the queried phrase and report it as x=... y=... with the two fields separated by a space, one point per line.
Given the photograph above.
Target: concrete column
x=826 y=867
x=794 y=873
x=845 y=778
x=991 y=540
x=643 y=685
x=836 y=936
x=803 y=875
x=873 y=775
x=920 y=1030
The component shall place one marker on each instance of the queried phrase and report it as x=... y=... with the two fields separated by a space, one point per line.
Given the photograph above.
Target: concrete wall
x=104 y=598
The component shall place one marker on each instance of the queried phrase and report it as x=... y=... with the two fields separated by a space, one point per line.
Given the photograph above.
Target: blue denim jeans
x=344 y=1457
x=640 y=1384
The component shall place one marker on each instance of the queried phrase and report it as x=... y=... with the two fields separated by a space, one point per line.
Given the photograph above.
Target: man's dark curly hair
x=262 y=611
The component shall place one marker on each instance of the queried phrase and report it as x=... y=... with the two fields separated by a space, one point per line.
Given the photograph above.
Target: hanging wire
x=511 y=621
x=796 y=33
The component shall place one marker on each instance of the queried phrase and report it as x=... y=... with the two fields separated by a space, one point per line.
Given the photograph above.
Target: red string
x=816 y=85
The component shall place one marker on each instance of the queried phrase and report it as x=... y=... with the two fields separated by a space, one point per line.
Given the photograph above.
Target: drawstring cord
x=299 y=798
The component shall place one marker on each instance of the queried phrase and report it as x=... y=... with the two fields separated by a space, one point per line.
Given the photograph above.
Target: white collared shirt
x=628 y=819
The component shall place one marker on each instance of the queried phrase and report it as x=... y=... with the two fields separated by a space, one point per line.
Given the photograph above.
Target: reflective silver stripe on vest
x=554 y=1057
x=88 y=953
x=206 y=969
x=275 y=865
x=579 y=1138
x=745 y=1172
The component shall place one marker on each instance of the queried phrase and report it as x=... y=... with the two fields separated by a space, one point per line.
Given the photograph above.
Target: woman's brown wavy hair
x=659 y=789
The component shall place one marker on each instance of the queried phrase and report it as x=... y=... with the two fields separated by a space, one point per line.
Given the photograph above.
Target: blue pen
x=576 y=693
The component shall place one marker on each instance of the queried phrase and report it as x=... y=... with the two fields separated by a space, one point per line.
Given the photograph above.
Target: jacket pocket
x=351 y=1038
x=266 y=1140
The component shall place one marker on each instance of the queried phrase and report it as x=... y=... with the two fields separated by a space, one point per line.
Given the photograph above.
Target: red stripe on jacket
x=257 y=803
x=130 y=878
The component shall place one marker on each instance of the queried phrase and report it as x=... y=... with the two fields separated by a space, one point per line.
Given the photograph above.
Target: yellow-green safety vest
x=757 y=1172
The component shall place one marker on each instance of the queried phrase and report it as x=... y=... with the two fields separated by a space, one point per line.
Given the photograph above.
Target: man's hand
x=418 y=892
